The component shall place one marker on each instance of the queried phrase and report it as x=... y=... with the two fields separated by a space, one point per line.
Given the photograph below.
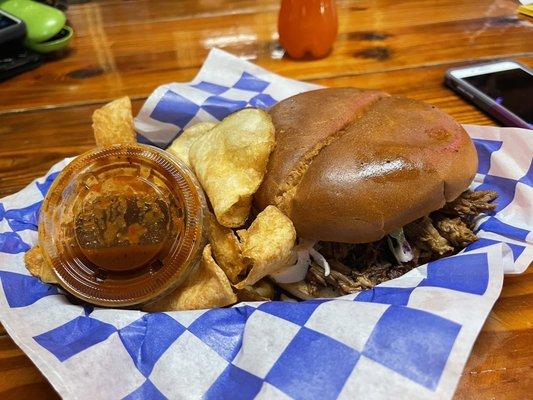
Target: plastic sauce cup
x=123 y=225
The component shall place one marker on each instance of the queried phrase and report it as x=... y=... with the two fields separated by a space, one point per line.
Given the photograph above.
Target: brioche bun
x=353 y=165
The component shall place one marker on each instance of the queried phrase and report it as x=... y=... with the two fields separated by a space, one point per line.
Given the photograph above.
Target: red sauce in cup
x=123 y=225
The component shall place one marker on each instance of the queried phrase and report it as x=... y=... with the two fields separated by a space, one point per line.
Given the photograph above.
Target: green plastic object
x=46 y=29
x=48 y=46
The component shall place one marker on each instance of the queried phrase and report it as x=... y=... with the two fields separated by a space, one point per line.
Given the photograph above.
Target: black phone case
x=13 y=32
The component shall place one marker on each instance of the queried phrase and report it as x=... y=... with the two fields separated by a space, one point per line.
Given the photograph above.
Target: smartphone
x=503 y=89
x=11 y=28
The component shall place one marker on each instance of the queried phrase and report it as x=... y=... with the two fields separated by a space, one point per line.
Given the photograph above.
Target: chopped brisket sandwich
x=375 y=185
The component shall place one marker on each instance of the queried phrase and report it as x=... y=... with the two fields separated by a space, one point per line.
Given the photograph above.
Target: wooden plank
x=368 y=12
x=500 y=364
x=19 y=378
x=35 y=140
x=109 y=61
x=425 y=84
x=117 y=12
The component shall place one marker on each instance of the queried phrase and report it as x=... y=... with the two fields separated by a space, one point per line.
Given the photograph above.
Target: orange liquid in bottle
x=307 y=27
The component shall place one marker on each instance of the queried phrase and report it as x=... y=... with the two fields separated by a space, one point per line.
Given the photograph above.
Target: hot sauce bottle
x=307 y=27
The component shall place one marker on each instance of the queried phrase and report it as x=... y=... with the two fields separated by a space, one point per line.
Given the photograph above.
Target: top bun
x=353 y=165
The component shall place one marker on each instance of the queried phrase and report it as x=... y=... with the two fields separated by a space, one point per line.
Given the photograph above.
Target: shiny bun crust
x=352 y=165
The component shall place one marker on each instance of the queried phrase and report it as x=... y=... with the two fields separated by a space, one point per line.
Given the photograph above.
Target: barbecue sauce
x=123 y=225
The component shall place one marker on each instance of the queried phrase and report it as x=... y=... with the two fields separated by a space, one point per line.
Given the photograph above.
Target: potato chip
x=261 y=291
x=226 y=248
x=230 y=162
x=181 y=145
x=113 y=123
x=298 y=289
x=268 y=243
x=37 y=265
x=302 y=291
x=207 y=287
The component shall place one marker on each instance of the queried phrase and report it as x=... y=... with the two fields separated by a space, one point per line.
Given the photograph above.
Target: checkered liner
x=407 y=338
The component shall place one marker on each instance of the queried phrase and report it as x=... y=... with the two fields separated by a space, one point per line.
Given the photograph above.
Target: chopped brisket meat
x=456 y=232
x=343 y=283
x=356 y=267
x=422 y=234
x=470 y=204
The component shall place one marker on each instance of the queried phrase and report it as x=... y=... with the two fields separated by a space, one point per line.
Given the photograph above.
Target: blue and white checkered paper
x=407 y=338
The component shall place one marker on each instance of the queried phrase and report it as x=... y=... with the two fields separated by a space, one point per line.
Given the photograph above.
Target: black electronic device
x=11 y=28
x=503 y=89
x=16 y=59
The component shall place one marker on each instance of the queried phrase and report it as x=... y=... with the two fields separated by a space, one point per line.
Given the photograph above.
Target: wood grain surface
x=129 y=48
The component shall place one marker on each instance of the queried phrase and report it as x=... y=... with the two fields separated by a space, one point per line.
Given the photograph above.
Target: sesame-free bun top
x=353 y=165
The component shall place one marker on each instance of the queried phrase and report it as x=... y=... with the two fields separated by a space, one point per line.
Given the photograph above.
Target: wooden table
x=129 y=48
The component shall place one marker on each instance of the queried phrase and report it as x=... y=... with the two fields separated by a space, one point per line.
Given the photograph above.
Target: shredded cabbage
x=320 y=260
x=297 y=271
x=399 y=246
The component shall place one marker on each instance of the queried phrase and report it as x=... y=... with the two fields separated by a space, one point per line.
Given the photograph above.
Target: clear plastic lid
x=123 y=225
